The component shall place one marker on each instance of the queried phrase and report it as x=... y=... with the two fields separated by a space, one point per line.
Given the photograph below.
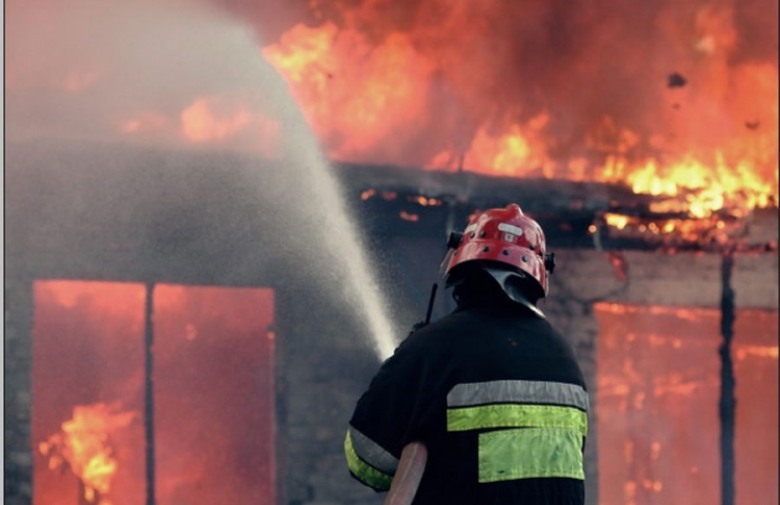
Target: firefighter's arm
x=384 y=421
x=407 y=478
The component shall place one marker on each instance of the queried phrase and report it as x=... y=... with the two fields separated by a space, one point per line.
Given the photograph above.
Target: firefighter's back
x=511 y=410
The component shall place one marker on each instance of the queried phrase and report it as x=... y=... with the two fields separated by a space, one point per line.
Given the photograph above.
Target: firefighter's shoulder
x=425 y=335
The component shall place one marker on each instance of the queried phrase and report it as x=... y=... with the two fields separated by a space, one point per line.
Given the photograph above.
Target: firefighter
x=487 y=404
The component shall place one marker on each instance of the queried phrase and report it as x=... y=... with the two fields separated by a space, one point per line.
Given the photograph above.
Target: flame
x=200 y=123
x=514 y=152
x=103 y=444
x=703 y=188
x=211 y=120
x=674 y=231
x=214 y=119
x=84 y=446
x=684 y=105
x=442 y=87
x=325 y=66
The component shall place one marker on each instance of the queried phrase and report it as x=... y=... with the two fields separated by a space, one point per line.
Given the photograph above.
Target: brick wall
x=325 y=360
x=18 y=361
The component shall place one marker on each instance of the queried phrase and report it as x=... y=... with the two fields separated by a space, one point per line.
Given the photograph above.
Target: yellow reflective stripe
x=363 y=471
x=517 y=416
x=530 y=453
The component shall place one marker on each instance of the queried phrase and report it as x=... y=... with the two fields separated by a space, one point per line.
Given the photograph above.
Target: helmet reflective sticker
x=510 y=228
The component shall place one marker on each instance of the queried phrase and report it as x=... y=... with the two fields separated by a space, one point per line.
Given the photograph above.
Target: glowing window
x=658 y=392
x=213 y=380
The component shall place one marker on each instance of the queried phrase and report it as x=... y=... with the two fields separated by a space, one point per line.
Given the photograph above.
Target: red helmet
x=505 y=236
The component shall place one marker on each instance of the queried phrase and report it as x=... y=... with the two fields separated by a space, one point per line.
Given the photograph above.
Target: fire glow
x=213 y=391
x=675 y=231
x=680 y=102
x=657 y=392
x=466 y=86
x=84 y=447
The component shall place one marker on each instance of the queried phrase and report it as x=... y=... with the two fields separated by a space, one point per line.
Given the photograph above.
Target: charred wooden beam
x=728 y=403
x=149 y=394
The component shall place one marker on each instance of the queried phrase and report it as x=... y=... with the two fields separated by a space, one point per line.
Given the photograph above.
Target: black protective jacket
x=495 y=394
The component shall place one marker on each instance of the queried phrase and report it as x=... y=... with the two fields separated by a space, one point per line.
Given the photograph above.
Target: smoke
x=187 y=75
x=150 y=72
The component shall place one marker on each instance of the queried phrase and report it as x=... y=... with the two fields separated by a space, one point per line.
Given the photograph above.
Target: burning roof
x=677 y=107
x=538 y=89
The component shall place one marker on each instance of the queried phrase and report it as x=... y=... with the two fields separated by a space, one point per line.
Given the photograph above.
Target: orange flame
x=216 y=120
x=429 y=89
x=84 y=446
x=200 y=123
x=355 y=96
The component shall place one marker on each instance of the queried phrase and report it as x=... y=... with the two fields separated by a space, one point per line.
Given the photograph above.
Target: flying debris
x=676 y=80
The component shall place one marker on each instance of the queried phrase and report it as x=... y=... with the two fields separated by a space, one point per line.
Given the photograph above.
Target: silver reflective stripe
x=372 y=453
x=518 y=391
x=510 y=228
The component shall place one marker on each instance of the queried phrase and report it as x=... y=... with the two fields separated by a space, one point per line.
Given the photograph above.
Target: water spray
x=343 y=243
x=135 y=46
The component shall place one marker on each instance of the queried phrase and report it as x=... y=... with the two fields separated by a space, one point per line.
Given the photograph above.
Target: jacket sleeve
x=387 y=416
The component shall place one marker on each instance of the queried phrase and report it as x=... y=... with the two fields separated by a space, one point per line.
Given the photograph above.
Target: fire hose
x=407 y=478
x=414 y=455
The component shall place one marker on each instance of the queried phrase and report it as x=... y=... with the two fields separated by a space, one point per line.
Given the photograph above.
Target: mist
x=127 y=71
x=188 y=76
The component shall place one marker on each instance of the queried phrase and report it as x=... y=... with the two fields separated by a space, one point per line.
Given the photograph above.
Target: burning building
x=181 y=323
